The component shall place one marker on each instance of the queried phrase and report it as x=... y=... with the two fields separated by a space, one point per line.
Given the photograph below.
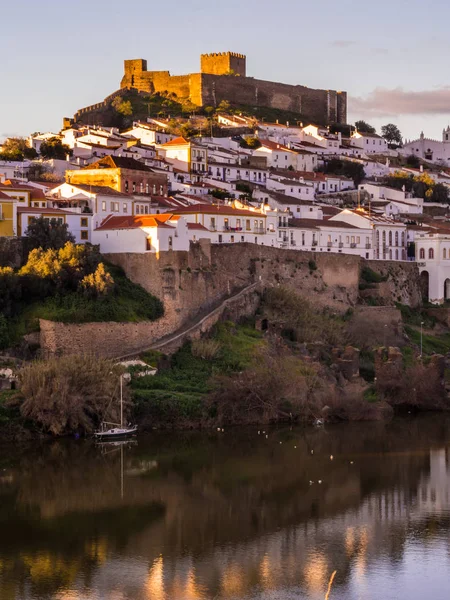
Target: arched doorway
x=447 y=289
x=425 y=285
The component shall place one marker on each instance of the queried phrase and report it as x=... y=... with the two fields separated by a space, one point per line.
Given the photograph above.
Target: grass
x=175 y=395
x=7 y=414
x=414 y=317
x=128 y=302
x=431 y=344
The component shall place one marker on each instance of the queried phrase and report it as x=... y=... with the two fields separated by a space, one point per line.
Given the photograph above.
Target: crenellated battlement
x=215 y=54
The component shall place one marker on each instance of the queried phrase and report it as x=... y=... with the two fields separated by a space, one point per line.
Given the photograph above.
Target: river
x=238 y=515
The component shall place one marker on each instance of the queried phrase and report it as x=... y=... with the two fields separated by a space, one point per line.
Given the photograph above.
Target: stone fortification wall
x=403 y=282
x=193 y=284
x=123 y=340
x=215 y=83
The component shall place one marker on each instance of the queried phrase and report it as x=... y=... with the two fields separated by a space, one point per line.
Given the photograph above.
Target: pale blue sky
x=58 y=56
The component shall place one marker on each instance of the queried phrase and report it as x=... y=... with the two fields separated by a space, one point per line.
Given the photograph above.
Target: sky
x=390 y=55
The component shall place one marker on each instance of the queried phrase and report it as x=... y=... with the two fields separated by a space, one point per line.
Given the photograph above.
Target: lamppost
x=421 y=338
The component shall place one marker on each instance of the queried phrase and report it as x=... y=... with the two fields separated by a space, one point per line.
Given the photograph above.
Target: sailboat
x=113 y=431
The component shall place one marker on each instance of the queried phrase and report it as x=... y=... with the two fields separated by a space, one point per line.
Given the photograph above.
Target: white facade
x=79 y=225
x=428 y=149
x=388 y=236
x=369 y=143
x=433 y=257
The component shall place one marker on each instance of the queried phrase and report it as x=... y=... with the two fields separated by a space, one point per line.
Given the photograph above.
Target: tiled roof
x=215 y=209
x=46 y=211
x=179 y=141
x=135 y=222
x=105 y=190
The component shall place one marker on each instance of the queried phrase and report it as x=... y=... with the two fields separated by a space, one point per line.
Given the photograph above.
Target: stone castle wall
x=193 y=284
x=214 y=83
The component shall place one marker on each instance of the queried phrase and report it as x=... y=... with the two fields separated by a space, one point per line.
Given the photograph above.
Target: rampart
x=223 y=77
x=195 y=287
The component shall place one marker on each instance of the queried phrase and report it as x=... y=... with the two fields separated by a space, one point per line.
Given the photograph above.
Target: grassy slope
x=175 y=394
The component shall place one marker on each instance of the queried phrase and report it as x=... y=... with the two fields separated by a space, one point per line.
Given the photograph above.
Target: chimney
x=421 y=168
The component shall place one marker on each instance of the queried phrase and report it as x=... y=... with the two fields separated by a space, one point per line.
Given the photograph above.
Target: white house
x=428 y=149
x=388 y=236
x=277 y=155
x=140 y=234
x=79 y=225
x=433 y=257
x=229 y=225
x=100 y=201
x=369 y=143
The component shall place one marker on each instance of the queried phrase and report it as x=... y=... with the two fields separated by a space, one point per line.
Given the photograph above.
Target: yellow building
x=8 y=216
x=186 y=156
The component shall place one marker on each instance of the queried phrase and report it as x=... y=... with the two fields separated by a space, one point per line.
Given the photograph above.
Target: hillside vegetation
x=72 y=285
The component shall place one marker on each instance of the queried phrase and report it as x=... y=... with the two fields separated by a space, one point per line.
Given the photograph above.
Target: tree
x=16 y=148
x=413 y=161
x=72 y=393
x=123 y=107
x=224 y=106
x=48 y=234
x=54 y=148
x=99 y=283
x=345 y=168
x=364 y=127
x=392 y=134
x=440 y=194
x=252 y=142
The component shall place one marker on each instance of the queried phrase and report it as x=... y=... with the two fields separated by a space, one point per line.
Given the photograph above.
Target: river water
x=234 y=515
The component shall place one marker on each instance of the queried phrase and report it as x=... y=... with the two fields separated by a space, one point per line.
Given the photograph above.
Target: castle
x=223 y=76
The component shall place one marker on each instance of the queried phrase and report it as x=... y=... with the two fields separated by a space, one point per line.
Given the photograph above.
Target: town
x=164 y=183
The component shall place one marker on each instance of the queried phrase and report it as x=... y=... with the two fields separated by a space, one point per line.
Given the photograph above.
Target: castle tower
x=134 y=74
x=223 y=63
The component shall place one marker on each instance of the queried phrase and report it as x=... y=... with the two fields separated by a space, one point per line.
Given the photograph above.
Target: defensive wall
x=198 y=283
x=223 y=77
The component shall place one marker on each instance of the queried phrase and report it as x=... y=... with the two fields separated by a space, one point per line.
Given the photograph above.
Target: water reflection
x=235 y=516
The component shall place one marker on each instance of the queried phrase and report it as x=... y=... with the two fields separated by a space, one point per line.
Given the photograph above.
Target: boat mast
x=121 y=402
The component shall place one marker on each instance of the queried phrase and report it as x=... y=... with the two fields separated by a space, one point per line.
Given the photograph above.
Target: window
x=116 y=206
x=248 y=225
x=430 y=254
x=347 y=239
x=84 y=235
x=396 y=238
x=238 y=224
x=232 y=238
x=220 y=238
x=390 y=238
x=138 y=208
x=226 y=224
x=422 y=254
x=145 y=210
x=303 y=239
x=125 y=207
x=444 y=253
x=148 y=244
x=126 y=187
x=170 y=242
x=242 y=238
x=134 y=186
x=141 y=187
x=83 y=222
x=146 y=188
x=103 y=206
x=358 y=239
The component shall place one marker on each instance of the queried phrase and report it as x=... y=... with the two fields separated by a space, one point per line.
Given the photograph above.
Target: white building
x=141 y=234
x=388 y=236
x=369 y=143
x=428 y=149
x=79 y=225
x=433 y=257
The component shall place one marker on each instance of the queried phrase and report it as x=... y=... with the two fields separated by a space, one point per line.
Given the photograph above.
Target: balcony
x=353 y=245
x=258 y=230
x=213 y=228
x=329 y=244
x=368 y=246
x=314 y=243
x=341 y=245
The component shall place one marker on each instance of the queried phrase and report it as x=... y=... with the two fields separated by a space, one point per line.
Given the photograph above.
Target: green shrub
x=369 y=276
x=312 y=265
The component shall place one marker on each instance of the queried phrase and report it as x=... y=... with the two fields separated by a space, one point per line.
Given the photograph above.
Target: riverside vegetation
x=303 y=368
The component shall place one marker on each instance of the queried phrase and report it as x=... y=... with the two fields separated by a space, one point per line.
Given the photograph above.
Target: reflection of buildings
x=236 y=523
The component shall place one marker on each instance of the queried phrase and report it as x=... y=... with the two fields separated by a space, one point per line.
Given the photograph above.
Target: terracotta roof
x=274 y=146
x=117 y=162
x=215 y=209
x=197 y=226
x=46 y=211
x=6 y=197
x=105 y=190
x=11 y=185
x=315 y=223
x=179 y=141
x=136 y=222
